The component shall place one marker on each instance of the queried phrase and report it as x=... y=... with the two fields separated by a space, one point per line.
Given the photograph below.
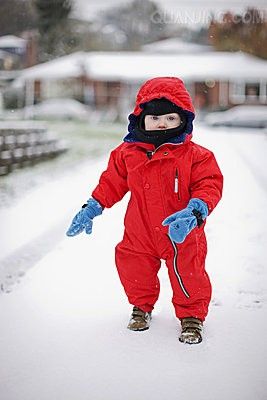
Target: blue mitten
x=84 y=219
x=182 y=222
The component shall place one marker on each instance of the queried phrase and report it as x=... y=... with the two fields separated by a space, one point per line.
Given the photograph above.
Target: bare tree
x=247 y=32
x=138 y=22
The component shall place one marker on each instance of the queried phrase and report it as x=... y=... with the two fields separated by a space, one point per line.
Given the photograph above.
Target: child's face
x=162 y=122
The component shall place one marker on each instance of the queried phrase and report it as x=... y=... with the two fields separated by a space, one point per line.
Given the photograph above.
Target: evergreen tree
x=16 y=16
x=53 y=27
x=51 y=13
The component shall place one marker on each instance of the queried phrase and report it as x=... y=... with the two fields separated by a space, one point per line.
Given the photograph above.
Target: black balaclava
x=159 y=107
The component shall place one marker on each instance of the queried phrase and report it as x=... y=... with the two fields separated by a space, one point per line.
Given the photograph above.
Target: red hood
x=171 y=88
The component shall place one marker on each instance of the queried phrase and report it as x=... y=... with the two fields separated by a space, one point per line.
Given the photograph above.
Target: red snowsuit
x=151 y=182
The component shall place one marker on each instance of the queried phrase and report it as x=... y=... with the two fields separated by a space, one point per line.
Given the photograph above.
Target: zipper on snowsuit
x=150 y=153
x=175 y=258
x=175 y=268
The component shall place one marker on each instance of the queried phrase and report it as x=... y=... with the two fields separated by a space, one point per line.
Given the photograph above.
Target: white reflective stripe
x=176 y=270
x=176 y=185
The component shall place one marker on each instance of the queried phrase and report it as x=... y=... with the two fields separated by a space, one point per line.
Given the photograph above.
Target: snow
x=70 y=66
x=9 y=41
x=27 y=124
x=175 y=45
x=57 y=108
x=242 y=115
x=63 y=326
x=126 y=65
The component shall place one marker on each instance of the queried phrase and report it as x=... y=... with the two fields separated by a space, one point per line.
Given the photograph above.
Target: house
x=14 y=50
x=16 y=53
x=104 y=80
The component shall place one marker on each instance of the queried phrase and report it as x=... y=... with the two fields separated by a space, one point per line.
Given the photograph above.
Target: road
x=63 y=327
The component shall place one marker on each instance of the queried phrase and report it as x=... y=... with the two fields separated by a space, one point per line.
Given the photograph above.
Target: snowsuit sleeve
x=206 y=181
x=112 y=184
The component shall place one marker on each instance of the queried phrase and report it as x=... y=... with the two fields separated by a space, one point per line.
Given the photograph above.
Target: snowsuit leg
x=189 y=279
x=138 y=275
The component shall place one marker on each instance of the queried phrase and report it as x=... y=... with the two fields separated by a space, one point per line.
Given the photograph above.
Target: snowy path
x=63 y=334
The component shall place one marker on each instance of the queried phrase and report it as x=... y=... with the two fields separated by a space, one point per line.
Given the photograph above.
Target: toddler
x=174 y=184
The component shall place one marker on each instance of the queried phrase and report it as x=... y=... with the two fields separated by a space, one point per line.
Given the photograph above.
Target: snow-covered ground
x=64 y=313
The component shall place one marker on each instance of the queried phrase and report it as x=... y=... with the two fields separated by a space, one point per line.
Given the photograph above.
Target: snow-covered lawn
x=63 y=327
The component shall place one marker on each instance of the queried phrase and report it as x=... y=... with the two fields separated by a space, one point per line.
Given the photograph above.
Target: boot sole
x=138 y=330
x=185 y=342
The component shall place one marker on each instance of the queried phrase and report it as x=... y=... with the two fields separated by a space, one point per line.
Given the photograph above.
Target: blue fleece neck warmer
x=131 y=137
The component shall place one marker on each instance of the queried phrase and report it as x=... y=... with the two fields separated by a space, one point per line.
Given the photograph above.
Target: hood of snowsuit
x=171 y=88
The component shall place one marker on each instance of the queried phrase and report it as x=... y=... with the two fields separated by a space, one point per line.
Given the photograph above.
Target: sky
x=184 y=11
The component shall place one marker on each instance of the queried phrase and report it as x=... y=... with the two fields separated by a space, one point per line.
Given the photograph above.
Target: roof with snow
x=10 y=41
x=139 y=66
x=175 y=45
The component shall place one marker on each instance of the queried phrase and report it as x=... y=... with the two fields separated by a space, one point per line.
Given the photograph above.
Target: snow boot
x=140 y=320
x=191 y=330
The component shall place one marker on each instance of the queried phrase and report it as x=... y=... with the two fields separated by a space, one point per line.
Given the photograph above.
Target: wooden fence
x=24 y=143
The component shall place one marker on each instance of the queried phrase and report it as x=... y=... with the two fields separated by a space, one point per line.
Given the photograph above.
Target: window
x=247 y=92
x=252 y=90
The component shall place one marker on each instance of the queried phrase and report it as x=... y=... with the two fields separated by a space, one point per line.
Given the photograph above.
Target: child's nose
x=162 y=124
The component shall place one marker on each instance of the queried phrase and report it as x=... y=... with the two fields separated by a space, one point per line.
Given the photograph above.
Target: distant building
x=16 y=53
x=109 y=80
x=14 y=50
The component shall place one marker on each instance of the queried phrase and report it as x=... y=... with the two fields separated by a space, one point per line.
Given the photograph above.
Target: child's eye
x=171 y=118
x=154 y=117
